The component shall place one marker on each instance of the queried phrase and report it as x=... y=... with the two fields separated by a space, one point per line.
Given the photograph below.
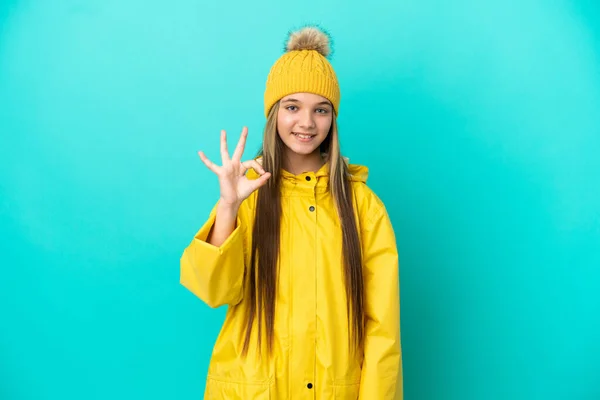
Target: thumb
x=260 y=181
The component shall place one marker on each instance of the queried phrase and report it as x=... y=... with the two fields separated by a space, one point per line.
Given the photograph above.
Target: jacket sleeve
x=215 y=274
x=382 y=365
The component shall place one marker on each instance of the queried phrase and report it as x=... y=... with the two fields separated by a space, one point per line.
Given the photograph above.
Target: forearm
x=382 y=365
x=212 y=272
x=225 y=221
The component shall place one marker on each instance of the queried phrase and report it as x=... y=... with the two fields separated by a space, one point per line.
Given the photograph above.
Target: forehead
x=308 y=98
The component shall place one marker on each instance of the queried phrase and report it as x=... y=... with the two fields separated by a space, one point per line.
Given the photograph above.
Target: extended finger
x=239 y=150
x=224 y=152
x=214 y=168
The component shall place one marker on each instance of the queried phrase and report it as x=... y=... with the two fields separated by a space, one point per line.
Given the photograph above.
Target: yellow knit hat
x=303 y=68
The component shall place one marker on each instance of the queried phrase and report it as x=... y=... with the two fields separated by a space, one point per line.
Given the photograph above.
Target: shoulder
x=369 y=205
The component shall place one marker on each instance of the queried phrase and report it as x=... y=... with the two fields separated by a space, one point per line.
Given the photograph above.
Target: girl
x=301 y=251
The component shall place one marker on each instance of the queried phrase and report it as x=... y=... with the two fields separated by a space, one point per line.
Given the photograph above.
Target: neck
x=300 y=163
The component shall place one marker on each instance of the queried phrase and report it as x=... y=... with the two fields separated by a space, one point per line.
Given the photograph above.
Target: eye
x=322 y=110
x=289 y=108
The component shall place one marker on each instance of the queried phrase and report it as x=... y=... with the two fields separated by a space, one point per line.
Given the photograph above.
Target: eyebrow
x=298 y=101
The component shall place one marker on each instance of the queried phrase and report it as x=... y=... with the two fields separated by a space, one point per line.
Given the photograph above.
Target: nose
x=307 y=120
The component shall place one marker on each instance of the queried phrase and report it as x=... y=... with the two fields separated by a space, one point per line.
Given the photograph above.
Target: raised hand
x=235 y=186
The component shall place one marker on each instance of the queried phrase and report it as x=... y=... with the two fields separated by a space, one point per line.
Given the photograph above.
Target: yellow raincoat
x=311 y=359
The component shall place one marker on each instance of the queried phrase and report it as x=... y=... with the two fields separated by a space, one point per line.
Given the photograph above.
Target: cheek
x=285 y=123
x=325 y=124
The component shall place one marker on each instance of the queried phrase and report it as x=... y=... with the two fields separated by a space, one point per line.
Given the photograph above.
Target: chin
x=303 y=148
x=302 y=152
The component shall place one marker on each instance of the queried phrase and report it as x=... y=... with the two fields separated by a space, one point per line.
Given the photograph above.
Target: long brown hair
x=266 y=236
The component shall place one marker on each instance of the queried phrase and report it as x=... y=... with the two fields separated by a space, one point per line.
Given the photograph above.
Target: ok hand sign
x=235 y=186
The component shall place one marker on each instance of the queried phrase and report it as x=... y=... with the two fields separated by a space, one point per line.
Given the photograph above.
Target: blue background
x=479 y=122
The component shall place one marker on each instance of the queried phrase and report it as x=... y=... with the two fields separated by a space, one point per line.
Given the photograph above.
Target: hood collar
x=358 y=173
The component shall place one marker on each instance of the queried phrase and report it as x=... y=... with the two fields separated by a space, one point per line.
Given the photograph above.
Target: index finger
x=239 y=149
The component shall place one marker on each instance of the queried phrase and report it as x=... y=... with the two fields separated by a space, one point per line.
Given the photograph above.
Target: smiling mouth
x=303 y=136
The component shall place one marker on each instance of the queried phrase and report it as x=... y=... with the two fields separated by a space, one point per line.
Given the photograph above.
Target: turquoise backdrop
x=479 y=121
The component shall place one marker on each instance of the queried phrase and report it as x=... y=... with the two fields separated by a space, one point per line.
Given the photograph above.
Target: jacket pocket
x=346 y=391
x=218 y=389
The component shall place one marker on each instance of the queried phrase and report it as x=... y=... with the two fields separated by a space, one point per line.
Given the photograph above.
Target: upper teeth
x=303 y=136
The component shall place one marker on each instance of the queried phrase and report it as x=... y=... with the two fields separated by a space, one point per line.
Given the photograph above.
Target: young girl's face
x=303 y=122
